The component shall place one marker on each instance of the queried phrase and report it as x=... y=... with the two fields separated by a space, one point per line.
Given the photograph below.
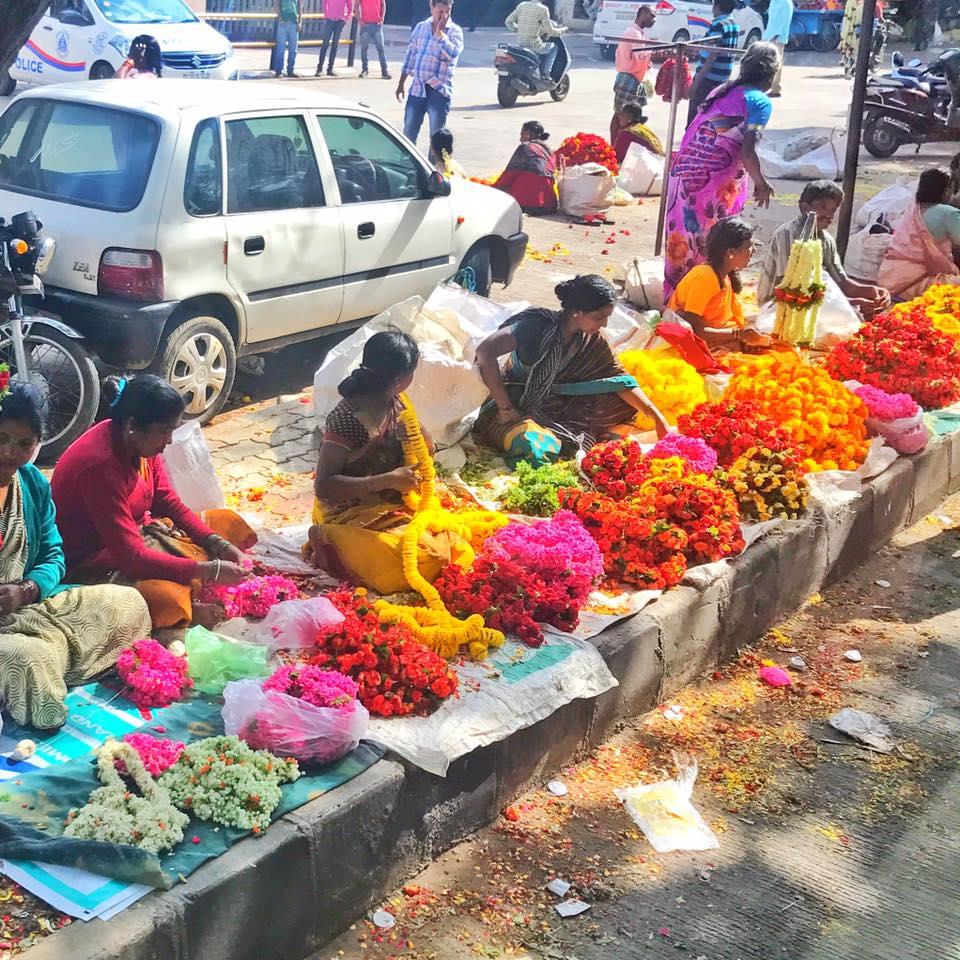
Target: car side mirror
x=74 y=18
x=438 y=185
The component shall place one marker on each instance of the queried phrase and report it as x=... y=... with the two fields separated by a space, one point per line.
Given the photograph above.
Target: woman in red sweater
x=122 y=521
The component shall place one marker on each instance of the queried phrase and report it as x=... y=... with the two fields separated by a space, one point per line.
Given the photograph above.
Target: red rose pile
x=395 y=674
x=588 y=148
x=902 y=353
x=732 y=427
x=616 y=468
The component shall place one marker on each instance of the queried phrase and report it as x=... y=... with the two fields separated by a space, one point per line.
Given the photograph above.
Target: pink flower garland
x=153 y=676
x=887 y=406
x=701 y=457
x=252 y=598
x=322 y=688
x=157 y=755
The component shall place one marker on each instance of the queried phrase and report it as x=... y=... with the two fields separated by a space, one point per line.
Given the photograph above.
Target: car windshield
x=77 y=153
x=146 y=11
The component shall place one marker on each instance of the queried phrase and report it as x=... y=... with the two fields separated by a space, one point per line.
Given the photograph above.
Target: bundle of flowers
x=224 y=780
x=671 y=384
x=902 y=353
x=887 y=406
x=732 y=427
x=152 y=676
x=700 y=457
x=664 y=84
x=526 y=575
x=768 y=484
x=252 y=598
x=824 y=420
x=584 y=148
x=156 y=753
x=535 y=493
x=395 y=675
x=616 y=468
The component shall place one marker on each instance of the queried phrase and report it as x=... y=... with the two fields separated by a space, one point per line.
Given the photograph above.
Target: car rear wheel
x=101 y=70
x=681 y=36
x=560 y=91
x=752 y=37
x=7 y=86
x=199 y=358
x=609 y=52
x=506 y=94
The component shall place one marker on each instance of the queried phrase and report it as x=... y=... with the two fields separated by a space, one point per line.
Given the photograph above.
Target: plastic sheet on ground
x=515 y=688
x=280 y=547
x=815 y=154
x=830 y=489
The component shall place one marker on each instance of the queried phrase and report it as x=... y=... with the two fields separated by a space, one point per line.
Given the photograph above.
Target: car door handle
x=47 y=27
x=254 y=246
x=366 y=230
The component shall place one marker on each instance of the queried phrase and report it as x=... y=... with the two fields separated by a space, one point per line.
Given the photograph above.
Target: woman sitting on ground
x=707 y=298
x=634 y=129
x=926 y=241
x=51 y=635
x=530 y=176
x=361 y=477
x=562 y=378
x=123 y=522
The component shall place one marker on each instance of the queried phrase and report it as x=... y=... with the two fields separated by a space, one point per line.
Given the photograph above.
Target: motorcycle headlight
x=121 y=45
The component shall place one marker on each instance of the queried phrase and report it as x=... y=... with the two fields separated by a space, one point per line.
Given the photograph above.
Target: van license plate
x=196 y=74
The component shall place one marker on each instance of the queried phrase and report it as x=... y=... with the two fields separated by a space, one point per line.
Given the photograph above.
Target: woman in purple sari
x=708 y=176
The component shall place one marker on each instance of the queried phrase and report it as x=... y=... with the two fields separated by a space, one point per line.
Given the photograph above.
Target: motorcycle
x=914 y=103
x=42 y=350
x=519 y=71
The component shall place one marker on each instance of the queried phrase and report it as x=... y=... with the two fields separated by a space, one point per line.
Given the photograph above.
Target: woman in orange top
x=707 y=298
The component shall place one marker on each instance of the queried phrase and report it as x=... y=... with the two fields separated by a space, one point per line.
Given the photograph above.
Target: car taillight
x=664 y=8
x=131 y=275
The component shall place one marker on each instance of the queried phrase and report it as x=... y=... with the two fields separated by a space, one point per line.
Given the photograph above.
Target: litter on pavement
x=864 y=727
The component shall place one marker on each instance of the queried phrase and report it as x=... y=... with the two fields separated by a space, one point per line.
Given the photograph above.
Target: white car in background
x=677 y=20
x=201 y=221
x=89 y=39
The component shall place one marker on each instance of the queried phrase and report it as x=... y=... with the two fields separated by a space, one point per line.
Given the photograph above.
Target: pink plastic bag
x=906 y=435
x=294 y=624
x=290 y=727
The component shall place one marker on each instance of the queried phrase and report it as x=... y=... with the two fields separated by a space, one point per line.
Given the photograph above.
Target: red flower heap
x=584 y=148
x=732 y=427
x=395 y=675
x=616 y=468
x=902 y=353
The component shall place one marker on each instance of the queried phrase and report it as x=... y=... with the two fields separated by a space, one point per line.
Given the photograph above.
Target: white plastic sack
x=816 y=154
x=644 y=283
x=641 y=172
x=890 y=202
x=626 y=329
x=865 y=253
x=294 y=624
x=906 y=435
x=586 y=189
x=837 y=320
x=290 y=727
x=190 y=467
x=665 y=813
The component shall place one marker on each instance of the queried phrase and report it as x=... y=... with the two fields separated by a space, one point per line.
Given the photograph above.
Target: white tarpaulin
x=816 y=154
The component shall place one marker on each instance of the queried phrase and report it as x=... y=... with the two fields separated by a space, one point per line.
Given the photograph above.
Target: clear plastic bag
x=294 y=624
x=213 y=661
x=906 y=435
x=290 y=727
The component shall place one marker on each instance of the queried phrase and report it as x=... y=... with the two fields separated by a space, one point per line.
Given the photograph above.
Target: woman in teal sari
x=562 y=381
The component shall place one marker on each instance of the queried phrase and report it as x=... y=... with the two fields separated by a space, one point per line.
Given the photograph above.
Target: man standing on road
x=632 y=67
x=336 y=13
x=372 y=15
x=435 y=48
x=716 y=67
x=288 y=36
x=779 y=18
x=532 y=24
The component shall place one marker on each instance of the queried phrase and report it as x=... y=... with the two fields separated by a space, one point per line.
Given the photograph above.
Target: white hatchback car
x=201 y=221
x=677 y=20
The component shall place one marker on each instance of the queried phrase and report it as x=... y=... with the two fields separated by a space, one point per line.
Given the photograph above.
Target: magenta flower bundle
x=153 y=676
x=157 y=754
x=322 y=688
x=252 y=598
x=701 y=457
x=887 y=406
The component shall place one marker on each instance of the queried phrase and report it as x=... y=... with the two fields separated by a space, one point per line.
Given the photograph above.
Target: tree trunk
x=19 y=19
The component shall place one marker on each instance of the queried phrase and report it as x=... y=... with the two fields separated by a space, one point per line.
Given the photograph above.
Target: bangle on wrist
x=216 y=569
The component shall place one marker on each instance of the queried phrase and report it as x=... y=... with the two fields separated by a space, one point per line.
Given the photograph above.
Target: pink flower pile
x=887 y=406
x=701 y=457
x=157 y=755
x=322 y=688
x=153 y=676
x=252 y=598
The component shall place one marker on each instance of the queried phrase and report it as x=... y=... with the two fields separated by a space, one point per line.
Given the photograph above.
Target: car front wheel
x=101 y=70
x=480 y=261
x=7 y=86
x=199 y=358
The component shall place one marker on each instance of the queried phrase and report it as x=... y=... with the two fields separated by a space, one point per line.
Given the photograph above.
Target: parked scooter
x=41 y=349
x=914 y=103
x=519 y=71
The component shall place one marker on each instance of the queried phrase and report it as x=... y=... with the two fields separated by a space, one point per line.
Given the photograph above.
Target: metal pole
x=678 y=55
x=354 y=28
x=855 y=124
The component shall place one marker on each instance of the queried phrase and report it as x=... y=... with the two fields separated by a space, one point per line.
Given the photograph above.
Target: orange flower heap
x=823 y=418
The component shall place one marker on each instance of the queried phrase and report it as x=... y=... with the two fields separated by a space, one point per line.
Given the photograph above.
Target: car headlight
x=229 y=50
x=121 y=45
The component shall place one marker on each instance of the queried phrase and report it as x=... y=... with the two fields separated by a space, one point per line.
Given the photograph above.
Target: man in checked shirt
x=435 y=47
x=534 y=28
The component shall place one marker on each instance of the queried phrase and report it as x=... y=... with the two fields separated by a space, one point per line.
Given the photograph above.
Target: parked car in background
x=201 y=221
x=677 y=20
x=89 y=39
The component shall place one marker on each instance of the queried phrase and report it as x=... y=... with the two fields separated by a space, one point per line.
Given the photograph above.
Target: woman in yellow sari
x=359 y=514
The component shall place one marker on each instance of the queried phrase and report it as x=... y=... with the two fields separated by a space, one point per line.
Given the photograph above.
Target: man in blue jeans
x=336 y=13
x=287 y=36
x=435 y=47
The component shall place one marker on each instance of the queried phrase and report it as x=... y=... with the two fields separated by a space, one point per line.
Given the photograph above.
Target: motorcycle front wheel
x=66 y=377
x=506 y=94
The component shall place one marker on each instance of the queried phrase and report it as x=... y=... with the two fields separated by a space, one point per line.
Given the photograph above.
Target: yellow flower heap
x=433 y=625
x=672 y=385
x=941 y=303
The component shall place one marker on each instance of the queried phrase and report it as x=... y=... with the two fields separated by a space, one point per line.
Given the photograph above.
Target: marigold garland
x=673 y=386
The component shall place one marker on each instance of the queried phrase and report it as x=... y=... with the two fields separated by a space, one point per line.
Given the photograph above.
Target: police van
x=78 y=39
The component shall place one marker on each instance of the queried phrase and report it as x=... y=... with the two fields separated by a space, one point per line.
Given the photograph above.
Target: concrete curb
x=284 y=895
